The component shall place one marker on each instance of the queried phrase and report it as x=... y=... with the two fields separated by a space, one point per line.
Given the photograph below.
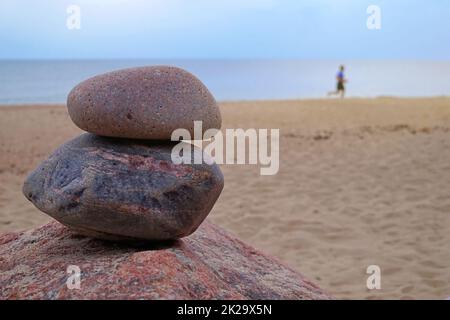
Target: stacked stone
x=118 y=181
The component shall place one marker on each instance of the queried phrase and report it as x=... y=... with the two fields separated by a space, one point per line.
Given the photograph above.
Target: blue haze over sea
x=49 y=81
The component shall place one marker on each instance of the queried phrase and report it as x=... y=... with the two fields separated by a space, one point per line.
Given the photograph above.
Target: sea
x=49 y=81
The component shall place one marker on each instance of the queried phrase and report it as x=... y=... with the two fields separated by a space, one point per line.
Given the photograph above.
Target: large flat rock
x=210 y=264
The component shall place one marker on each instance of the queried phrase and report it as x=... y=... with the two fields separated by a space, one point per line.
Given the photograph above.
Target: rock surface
x=210 y=264
x=142 y=103
x=122 y=189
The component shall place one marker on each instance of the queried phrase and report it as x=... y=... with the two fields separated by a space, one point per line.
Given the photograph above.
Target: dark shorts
x=340 y=86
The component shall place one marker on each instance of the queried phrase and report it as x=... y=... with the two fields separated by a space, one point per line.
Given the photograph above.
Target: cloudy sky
x=225 y=29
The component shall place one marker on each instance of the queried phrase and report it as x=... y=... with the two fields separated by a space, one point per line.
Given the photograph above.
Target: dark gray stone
x=118 y=189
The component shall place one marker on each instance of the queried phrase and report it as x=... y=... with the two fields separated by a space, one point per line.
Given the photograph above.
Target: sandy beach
x=361 y=182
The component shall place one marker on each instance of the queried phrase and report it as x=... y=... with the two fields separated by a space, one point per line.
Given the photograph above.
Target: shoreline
x=304 y=100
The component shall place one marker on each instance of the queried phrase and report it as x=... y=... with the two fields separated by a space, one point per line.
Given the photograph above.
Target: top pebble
x=143 y=103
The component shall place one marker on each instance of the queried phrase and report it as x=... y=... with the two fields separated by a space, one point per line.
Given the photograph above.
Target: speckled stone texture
x=210 y=264
x=120 y=189
x=142 y=103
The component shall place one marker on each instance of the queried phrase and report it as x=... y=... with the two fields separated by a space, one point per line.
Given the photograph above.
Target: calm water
x=50 y=81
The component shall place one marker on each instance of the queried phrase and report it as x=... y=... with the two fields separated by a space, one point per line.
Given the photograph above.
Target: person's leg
x=341 y=89
x=336 y=92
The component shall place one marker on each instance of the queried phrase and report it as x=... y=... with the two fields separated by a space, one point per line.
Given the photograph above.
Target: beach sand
x=361 y=182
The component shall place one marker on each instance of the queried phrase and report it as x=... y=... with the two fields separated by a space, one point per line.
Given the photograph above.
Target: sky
x=225 y=29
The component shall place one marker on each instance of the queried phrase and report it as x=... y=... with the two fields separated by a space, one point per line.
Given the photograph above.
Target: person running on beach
x=340 y=88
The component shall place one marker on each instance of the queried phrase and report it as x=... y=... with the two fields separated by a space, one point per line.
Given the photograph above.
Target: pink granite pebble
x=142 y=103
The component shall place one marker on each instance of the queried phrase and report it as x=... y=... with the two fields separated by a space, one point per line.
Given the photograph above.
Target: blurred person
x=341 y=80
